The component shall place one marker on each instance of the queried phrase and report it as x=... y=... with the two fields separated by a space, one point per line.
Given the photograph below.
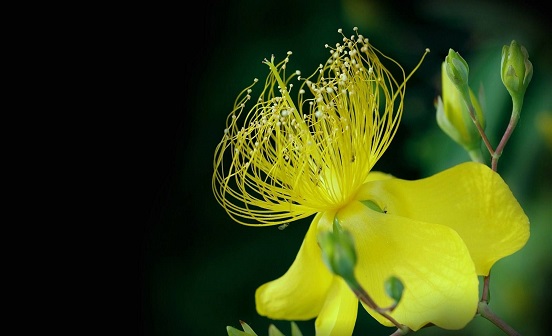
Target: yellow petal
x=300 y=293
x=440 y=283
x=469 y=198
x=338 y=316
x=376 y=175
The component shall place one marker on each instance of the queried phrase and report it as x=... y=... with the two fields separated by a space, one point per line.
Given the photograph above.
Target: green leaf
x=235 y=332
x=295 y=330
x=394 y=288
x=372 y=205
x=247 y=329
x=273 y=331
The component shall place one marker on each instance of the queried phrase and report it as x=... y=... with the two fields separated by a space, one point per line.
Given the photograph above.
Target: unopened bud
x=338 y=251
x=453 y=115
x=516 y=70
x=457 y=71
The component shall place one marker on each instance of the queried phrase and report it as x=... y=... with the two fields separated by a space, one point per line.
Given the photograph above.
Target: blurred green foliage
x=200 y=270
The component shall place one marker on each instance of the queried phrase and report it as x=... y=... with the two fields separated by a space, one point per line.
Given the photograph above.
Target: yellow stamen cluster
x=279 y=160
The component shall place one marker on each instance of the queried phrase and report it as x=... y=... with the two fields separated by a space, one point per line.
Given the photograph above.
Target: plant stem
x=484 y=310
x=486 y=295
x=509 y=130
x=480 y=128
x=398 y=332
x=366 y=299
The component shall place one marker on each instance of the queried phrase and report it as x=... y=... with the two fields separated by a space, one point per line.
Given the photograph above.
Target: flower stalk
x=516 y=74
x=485 y=311
x=339 y=255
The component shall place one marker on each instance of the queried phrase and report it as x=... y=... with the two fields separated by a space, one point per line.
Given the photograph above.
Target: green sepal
x=516 y=72
x=372 y=205
x=457 y=70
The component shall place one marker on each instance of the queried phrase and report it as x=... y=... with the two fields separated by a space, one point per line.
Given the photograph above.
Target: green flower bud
x=516 y=70
x=338 y=252
x=453 y=115
x=457 y=71
x=394 y=288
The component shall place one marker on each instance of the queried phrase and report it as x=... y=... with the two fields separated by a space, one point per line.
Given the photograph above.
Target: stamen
x=295 y=157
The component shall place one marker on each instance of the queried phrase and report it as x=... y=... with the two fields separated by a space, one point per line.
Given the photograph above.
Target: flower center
x=290 y=160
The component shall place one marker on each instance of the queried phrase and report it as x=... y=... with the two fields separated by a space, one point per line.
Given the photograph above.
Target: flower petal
x=469 y=198
x=376 y=176
x=440 y=283
x=300 y=293
x=338 y=316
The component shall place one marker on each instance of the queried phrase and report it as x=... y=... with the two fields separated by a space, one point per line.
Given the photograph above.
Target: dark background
x=198 y=270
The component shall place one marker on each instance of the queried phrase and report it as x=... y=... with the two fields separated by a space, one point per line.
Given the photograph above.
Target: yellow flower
x=282 y=160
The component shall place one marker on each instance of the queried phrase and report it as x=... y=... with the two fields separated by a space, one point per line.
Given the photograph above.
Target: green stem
x=507 y=134
x=483 y=307
x=398 y=332
x=486 y=295
x=367 y=300
x=479 y=127
x=484 y=310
